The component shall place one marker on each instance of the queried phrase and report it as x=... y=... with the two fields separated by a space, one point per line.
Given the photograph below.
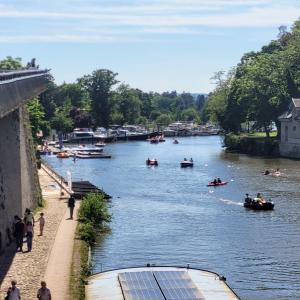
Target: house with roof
x=290 y=131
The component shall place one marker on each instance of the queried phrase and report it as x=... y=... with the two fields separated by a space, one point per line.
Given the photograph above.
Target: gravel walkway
x=29 y=268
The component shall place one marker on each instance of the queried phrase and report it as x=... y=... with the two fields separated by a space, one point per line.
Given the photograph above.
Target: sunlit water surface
x=167 y=215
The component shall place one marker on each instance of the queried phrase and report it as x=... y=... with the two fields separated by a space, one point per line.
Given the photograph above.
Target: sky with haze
x=154 y=45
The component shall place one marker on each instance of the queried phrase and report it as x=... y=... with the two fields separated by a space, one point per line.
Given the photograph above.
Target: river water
x=167 y=215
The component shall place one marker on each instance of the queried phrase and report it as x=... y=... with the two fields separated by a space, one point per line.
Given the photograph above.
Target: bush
x=94 y=209
x=87 y=232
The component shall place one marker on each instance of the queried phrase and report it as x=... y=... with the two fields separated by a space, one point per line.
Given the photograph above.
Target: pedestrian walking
x=13 y=293
x=19 y=229
x=71 y=205
x=41 y=221
x=29 y=236
x=43 y=293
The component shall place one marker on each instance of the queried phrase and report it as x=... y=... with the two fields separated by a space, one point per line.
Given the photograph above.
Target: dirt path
x=51 y=253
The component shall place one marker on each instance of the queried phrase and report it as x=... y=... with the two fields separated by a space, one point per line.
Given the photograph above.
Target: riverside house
x=290 y=131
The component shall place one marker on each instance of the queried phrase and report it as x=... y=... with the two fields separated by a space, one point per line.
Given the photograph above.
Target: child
x=41 y=220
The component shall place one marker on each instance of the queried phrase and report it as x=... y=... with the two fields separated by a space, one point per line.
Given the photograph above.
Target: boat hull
x=258 y=206
x=217 y=184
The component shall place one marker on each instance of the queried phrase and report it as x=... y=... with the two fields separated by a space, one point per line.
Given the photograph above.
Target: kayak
x=217 y=184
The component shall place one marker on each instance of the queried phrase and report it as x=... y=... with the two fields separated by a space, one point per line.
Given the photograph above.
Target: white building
x=290 y=131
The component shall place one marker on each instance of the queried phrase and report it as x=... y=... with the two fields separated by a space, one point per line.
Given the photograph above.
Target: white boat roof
x=108 y=285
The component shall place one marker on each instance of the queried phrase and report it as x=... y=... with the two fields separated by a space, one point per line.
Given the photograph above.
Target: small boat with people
x=217 y=182
x=187 y=163
x=151 y=162
x=258 y=203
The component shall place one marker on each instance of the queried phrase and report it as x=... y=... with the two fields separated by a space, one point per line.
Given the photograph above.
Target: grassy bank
x=80 y=268
x=92 y=216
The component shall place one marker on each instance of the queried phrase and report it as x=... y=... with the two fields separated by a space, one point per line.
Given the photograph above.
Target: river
x=167 y=215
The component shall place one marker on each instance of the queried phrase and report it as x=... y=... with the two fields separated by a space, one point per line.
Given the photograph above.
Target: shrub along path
x=51 y=253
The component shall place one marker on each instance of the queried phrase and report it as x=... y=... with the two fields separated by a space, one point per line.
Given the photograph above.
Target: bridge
x=19 y=186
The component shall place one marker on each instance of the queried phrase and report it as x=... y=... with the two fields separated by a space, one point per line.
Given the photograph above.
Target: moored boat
x=159 y=283
x=62 y=155
x=85 y=154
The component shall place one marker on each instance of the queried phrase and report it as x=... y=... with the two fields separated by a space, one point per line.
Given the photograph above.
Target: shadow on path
x=6 y=259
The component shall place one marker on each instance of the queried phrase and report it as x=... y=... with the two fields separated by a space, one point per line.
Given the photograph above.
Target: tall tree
x=99 y=86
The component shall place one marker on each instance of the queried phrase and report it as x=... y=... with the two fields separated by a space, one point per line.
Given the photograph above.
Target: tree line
x=259 y=89
x=99 y=99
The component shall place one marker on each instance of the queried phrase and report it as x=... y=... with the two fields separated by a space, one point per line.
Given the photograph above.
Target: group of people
x=191 y=160
x=217 y=180
x=259 y=199
x=24 y=227
x=13 y=292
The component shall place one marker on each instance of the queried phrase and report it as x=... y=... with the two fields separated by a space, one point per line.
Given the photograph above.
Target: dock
x=82 y=188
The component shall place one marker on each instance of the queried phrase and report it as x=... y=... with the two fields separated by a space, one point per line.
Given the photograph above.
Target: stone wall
x=19 y=186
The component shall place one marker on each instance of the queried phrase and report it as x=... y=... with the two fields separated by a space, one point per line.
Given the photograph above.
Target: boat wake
x=230 y=202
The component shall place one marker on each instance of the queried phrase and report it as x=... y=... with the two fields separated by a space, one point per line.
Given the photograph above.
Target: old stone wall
x=10 y=175
x=19 y=186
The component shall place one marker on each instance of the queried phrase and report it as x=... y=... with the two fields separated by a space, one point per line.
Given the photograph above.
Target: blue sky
x=153 y=45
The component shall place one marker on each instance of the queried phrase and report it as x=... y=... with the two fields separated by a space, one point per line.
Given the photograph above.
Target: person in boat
x=191 y=160
x=248 y=199
x=215 y=181
x=148 y=161
x=267 y=172
x=219 y=180
x=260 y=199
x=184 y=159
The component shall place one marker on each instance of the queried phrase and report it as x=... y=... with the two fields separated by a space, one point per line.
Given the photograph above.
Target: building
x=290 y=131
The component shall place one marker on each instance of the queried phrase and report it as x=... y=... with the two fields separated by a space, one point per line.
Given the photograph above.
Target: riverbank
x=252 y=145
x=51 y=255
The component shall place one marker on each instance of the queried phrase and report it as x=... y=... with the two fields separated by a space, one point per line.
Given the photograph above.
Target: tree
x=37 y=117
x=10 y=63
x=189 y=114
x=62 y=121
x=126 y=101
x=163 y=119
x=99 y=86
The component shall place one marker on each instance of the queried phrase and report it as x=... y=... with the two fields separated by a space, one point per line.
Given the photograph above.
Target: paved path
x=51 y=253
x=59 y=264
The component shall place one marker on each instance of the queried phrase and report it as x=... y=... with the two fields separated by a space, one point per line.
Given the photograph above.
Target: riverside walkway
x=51 y=255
